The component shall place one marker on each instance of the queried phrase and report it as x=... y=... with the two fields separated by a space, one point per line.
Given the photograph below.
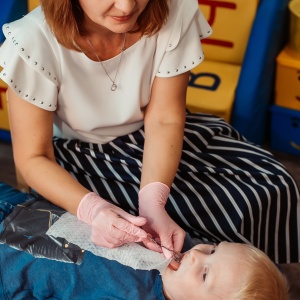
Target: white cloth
x=132 y=255
x=46 y=74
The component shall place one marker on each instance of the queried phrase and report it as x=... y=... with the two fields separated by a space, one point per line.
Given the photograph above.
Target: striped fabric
x=225 y=189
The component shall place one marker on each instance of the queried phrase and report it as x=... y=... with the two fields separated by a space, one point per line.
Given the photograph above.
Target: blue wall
x=11 y=10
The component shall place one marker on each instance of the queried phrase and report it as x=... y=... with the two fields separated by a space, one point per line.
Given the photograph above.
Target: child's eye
x=213 y=250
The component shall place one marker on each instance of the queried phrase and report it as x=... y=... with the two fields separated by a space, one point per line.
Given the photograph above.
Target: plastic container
x=294 y=41
x=285 y=130
x=287 y=86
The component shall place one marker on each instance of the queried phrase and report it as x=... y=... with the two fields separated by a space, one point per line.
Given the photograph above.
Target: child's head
x=229 y=271
x=264 y=281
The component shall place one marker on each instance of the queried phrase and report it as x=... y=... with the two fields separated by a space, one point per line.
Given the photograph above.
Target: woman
x=112 y=77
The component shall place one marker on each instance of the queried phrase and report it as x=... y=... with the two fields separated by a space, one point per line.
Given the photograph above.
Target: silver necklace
x=113 y=86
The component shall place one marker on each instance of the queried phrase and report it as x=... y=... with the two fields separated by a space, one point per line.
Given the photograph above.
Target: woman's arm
x=32 y=131
x=164 y=128
x=164 y=125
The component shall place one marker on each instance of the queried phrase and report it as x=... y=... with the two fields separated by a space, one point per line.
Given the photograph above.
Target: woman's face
x=118 y=16
x=206 y=272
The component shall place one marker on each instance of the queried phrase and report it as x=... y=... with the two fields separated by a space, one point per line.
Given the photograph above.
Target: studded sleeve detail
x=29 y=64
x=184 y=51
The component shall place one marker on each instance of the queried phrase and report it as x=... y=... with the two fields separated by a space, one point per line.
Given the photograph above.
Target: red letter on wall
x=2 y=91
x=214 y=4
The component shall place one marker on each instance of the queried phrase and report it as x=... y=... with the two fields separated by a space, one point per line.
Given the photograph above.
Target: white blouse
x=77 y=89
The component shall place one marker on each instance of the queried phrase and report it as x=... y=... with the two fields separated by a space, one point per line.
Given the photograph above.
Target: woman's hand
x=152 y=200
x=111 y=225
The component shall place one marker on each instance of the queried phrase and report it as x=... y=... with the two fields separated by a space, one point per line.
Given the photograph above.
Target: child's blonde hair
x=264 y=281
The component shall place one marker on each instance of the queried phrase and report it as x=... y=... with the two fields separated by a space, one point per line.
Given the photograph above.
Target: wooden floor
x=292 y=162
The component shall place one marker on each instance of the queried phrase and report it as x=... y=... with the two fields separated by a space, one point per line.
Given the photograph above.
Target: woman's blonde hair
x=65 y=18
x=263 y=281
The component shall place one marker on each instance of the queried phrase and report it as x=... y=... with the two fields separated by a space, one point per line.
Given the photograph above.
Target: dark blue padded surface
x=256 y=84
x=11 y=10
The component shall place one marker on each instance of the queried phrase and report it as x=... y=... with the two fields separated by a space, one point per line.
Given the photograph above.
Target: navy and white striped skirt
x=225 y=188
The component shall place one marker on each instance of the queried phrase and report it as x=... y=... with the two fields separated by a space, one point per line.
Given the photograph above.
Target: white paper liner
x=133 y=255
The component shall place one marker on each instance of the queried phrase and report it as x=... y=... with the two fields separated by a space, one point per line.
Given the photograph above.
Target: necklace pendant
x=113 y=87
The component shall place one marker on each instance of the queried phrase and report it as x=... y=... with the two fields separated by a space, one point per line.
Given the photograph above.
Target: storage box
x=285 y=130
x=212 y=88
x=287 y=87
x=32 y=4
x=231 y=22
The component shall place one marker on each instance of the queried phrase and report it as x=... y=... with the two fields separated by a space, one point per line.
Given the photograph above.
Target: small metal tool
x=176 y=255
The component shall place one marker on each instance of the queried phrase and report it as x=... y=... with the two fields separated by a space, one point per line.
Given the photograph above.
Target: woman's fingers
x=151 y=245
x=116 y=231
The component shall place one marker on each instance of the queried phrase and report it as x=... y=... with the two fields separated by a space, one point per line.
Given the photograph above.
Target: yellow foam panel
x=231 y=22
x=32 y=4
x=287 y=87
x=4 y=122
x=212 y=88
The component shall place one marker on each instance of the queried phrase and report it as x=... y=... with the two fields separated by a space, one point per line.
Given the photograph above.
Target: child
x=229 y=271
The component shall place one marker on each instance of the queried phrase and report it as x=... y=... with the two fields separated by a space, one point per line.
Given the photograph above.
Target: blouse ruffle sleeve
x=183 y=50
x=29 y=63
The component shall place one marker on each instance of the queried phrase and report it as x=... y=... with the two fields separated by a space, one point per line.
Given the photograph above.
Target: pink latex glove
x=152 y=200
x=111 y=225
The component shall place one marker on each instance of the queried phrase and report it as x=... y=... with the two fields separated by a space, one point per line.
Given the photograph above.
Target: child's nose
x=125 y=6
x=199 y=255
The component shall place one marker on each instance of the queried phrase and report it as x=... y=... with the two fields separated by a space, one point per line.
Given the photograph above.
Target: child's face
x=206 y=272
